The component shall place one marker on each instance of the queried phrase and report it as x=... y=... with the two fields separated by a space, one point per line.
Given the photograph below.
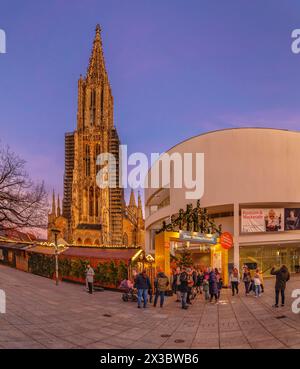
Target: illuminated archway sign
x=226 y=240
x=196 y=237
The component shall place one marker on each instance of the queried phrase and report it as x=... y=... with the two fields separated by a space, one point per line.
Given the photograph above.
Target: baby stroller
x=129 y=294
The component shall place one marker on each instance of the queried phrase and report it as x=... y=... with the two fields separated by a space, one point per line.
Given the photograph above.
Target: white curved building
x=245 y=168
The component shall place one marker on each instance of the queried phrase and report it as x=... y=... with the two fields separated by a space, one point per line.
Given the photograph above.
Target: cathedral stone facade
x=92 y=215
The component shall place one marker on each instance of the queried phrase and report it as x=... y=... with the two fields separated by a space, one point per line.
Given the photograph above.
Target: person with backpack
x=161 y=284
x=176 y=284
x=183 y=287
x=282 y=276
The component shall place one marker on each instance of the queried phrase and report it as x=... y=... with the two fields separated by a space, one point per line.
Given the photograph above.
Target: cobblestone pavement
x=42 y=315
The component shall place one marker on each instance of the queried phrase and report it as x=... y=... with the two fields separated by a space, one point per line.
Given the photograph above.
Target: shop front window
x=266 y=256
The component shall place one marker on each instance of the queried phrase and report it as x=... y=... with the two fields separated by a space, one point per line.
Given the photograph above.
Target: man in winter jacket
x=143 y=284
x=183 y=287
x=161 y=284
x=282 y=276
x=176 y=284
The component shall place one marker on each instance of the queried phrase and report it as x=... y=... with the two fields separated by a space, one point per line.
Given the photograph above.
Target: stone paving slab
x=42 y=315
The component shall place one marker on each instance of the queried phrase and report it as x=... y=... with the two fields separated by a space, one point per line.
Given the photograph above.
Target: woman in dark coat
x=282 y=276
x=213 y=286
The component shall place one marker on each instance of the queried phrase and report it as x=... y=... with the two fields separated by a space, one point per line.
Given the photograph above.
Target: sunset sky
x=177 y=69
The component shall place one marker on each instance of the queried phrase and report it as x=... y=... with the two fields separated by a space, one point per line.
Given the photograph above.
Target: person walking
x=161 y=284
x=183 y=287
x=234 y=280
x=190 y=285
x=257 y=283
x=206 y=288
x=261 y=277
x=282 y=276
x=219 y=282
x=176 y=284
x=200 y=278
x=213 y=286
x=90 y=278
x=142 y=284
x=246 y=279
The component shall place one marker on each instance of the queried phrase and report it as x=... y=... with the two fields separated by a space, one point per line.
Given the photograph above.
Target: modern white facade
x=244 y=168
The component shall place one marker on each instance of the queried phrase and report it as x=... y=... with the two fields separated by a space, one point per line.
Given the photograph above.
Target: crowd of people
x=188 y=282
x=254 y=282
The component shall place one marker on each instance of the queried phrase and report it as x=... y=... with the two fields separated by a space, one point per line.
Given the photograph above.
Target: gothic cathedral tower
x=95 y=214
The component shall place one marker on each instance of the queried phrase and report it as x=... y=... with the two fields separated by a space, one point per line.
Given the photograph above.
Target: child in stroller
x=130 y=293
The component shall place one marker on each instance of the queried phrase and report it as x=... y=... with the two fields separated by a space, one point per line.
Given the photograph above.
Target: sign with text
x=226 y=240
x=196 y=237
x=262 y=220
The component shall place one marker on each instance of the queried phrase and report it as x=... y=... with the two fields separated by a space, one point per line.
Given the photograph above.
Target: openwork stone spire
x=96 y=69
x=132 y=202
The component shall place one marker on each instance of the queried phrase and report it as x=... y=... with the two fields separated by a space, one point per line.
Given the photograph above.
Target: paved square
x=42 y=315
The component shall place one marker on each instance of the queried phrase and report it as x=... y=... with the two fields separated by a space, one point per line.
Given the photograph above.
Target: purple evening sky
x=177 y=68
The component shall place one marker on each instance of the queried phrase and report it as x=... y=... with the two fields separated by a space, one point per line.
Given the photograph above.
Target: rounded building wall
x=254 y=167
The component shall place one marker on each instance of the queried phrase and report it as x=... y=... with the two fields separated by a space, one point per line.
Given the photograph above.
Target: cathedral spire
x=58 y=206
x=53 y=203
x=139 y=201
x=140 y=208
x=132 y=202
x=96 y=69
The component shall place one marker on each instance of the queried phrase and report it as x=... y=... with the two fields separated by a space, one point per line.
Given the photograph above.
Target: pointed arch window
x=91 y=201
x=97 y=152
x=97 y=202
x=93 y=107
x=87 y=161
x=102 y=101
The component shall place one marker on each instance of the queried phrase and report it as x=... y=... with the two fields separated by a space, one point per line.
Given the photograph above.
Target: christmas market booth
x=192 y=239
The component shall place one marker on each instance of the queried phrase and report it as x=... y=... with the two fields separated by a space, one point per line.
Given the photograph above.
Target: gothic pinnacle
x=53 y=203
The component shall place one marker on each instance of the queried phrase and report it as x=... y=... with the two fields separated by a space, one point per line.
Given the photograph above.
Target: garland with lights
x=192 y=220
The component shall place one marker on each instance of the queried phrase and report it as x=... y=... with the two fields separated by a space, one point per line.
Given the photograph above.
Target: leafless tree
x=23 y=203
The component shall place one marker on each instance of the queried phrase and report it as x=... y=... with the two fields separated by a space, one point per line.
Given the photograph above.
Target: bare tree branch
x=22 y=202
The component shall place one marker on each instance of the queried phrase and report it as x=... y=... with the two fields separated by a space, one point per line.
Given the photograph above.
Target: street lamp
x=56 y=232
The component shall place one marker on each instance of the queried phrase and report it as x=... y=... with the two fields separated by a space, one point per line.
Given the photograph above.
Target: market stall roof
x=46 y=250
x=102 y=253
x=13 y=245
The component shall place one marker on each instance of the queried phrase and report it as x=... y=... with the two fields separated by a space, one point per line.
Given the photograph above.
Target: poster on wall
x=292 y=219
x=262 y=220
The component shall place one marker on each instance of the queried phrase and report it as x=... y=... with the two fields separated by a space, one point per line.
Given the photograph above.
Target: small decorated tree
x=185 y=258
